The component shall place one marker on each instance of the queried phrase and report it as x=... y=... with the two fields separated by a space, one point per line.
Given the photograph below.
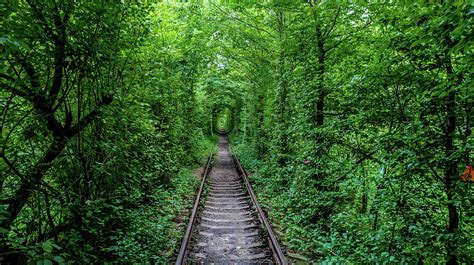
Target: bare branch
x=11 y=166
x=347 y=36
x=326 y=33
x=241 y=20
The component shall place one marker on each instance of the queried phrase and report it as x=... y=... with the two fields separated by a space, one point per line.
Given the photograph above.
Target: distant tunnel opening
x=223 y=120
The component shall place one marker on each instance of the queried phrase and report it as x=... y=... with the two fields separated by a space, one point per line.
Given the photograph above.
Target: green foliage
x=349 y=135
x=101 y=120
x=155 y=229
x=355 y=118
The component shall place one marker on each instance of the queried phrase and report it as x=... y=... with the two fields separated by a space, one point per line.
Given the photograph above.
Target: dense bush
x=100 y=129
x=356 y=123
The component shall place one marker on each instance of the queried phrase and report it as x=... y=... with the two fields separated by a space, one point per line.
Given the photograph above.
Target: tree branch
x=71 y=132
x=326 y=33
x=348 y=35
x=13 y=90
x=11 y=166
x=241 y=20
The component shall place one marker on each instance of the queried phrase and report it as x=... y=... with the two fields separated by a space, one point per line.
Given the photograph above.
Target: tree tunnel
x=224 y=104
x=223 y=118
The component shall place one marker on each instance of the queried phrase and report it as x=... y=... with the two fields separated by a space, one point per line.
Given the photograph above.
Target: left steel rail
x=189 y=229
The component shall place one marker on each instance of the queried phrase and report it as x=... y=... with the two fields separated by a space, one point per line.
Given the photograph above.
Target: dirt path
x=227 y=229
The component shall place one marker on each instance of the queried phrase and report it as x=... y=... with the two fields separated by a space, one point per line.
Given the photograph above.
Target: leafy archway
x=224 y=102
x=223 y=118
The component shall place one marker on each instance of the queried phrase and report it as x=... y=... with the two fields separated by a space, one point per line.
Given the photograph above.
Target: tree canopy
x=354 y=117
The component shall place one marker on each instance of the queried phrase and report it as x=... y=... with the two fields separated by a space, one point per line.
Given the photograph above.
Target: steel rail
x=189 y=229
x=275 y=246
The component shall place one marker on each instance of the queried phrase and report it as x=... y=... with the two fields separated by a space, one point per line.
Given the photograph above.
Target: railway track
x=226 y=224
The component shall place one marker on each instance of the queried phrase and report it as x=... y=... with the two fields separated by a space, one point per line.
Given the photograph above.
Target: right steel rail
x=278 y=253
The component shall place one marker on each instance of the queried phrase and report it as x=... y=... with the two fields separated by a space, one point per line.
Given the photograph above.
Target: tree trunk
x=451 y=165
x=282 y=94
x=319 y=104
x=320 y=78
x=33 y=179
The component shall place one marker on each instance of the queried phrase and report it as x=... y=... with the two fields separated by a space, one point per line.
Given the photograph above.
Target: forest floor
x=198 y=172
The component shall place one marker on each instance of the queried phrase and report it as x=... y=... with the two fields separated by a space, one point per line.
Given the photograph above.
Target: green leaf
x=59 y=259
x=47 y=247
x=44 y=262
